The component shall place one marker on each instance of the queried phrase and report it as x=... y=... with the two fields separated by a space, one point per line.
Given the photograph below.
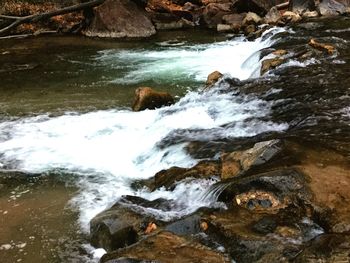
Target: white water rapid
x=107 y=150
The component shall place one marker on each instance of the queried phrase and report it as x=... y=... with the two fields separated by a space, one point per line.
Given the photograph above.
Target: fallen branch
x=37 y=17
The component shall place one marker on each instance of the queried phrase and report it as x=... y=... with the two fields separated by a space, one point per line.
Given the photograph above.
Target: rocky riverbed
x=251 y=167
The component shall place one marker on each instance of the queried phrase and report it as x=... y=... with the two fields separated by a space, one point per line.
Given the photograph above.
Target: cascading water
x=108 y=150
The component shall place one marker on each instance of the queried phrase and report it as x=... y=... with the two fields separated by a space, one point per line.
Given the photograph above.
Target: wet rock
x=120 y=19
x=186 y=226
x=301 y=6
x=332 y=7
x=278 y=187
x=270 y=63
x=169 y=177
x=213 y=78
x=214 y=12
x=147 y=98
x=326 y=248
x=273 y=16
x=280 y=52
x=251 y=19
x=290 y=17
x=241 y=161
x=115 y=228
x=322 y=47
x=166 y=247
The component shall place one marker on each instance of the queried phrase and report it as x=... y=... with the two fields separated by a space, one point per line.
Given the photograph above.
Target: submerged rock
x=147 y=98
x=120 y=19
x=167 y=248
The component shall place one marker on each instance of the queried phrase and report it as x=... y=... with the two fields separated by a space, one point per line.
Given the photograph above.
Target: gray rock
x=120 y=19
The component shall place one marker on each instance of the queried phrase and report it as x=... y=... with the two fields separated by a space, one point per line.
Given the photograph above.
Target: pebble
x=5 y=247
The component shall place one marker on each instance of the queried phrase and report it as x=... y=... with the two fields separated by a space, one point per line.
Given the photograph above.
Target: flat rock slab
x=167 y=248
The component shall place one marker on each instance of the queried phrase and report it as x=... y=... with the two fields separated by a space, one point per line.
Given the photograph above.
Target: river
x=72 y=143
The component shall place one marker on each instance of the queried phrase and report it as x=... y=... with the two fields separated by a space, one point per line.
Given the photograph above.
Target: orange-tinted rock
x=147 y=98
x=322 y=47
x=212 y=79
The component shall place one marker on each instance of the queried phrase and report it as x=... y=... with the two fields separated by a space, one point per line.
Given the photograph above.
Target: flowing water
x=65 y=112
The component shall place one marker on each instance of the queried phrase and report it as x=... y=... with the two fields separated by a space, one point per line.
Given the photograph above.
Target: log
x=37 y=17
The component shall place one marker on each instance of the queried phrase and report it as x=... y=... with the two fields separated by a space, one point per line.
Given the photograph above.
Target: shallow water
x=65 y=108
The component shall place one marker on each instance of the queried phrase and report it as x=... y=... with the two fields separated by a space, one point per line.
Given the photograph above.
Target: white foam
x=107 y=150
x=238 y=58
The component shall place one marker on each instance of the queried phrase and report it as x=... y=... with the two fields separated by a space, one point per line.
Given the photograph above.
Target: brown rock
x=322 y=47
x=290 y=17
x=224 y=28
x=214 y=12
x=167 y=6
x=251 y=19
x=270 y=63
x=333 y=7
x=120 y=19
x=212 y=79
x=169 y=177
x=250 y=29
x=147 y=98
x=235 y=20
x=273 y=16
x=310 y=14
x=241 y=161
x=167 y=248
x=301 y=6
x=280 y=52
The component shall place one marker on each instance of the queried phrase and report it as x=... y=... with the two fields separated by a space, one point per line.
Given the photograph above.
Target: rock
x=234 y=20
x=270 y=63
x=259 y=200
x=326 y=248
x=179 y=24
x=166 y=247
x=222 y=28
x=169 y=177
x=280 y=52
x=273 y=16
x=310 y=14
x=290 y=17
x=250 y=29
x=120 y=19
x=115 y=228
x=332 y=7
x=241 y=161
x=147 y=98
x=301 y=6
x=214 y=12
x=260 y=7
x=251 y=19
x=167 y=6
x=213 y=78
x=322 y=47
x=189 y=225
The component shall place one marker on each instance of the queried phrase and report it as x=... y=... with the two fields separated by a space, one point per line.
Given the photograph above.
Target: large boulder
x=301 y=6
x=260 y=7
x=166 y=247
x=214 y=12
x=273 y=16
x=147 y=98
x=333 y=7
x=120 y=19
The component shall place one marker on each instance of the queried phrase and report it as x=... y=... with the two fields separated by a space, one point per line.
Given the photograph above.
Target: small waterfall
x=107 y=150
